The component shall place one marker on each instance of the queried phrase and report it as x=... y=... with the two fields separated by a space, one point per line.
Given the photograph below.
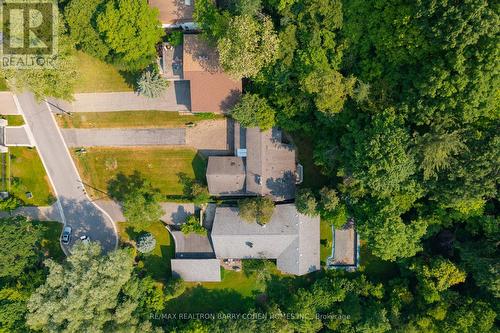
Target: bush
x=146 y=243
x=199 y=194
x=151 y=84
x=175 y=38
x=9 y=204
x=192 y=225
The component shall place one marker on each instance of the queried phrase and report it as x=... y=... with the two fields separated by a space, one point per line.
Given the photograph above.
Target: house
x=175 y=13
x=263 y=165
x=291 y=238
x=211 y=89
x=194 y=65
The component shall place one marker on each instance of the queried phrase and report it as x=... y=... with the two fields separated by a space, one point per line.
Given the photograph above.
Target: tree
x=306 y=202
x=199 y=194
x=19 y=245
x=146 y=243
x=330 y=89
x=151 y=84
x=259 y=209
x=56 y=81
x=140 y=201
x=253 y=111
x=436 y=276
x=212 y=22
x=248 y=45
x=131 y=39
x=245 y=7
x=193 y=225
x=437 y=151
x=328 y=199
x=81 y=18
x=87 y=291
x=141 y=208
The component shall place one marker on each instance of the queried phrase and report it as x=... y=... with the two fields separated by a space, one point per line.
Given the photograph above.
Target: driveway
x=17 y=136
x=75 y=207
x=176 y=98
x=124 y=137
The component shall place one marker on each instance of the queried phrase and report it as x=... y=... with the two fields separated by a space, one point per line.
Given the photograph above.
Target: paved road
x=124 y=137
x=176 y=98
x=77 y=209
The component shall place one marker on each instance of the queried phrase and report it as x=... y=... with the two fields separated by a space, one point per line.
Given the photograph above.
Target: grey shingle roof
x=225 y=175
x=290 y=237
x=270 y=164
x=268 y=169
x=196 y=270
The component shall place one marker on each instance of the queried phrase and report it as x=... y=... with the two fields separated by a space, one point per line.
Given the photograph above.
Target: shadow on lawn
x=203 y=300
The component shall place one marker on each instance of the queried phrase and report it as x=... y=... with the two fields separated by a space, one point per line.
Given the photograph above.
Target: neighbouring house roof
x=174 y=12
x=345 y=247
x=196 y=270
x=269 y=167
x=290 y=237
x=211 y=89
x=225 y=175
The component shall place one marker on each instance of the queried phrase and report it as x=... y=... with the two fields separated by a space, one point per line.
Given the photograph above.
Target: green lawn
x=3 y=84
x=156 y=263
x=14 y=120
x=130 y=119
x=236 y=281
x=312 y=176
x=325 y=241
x=28 y=174
x=161 y=166
x=98 y=76
x=50 y=242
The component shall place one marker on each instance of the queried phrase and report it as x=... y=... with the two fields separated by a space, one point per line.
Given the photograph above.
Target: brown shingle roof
x=173 y=11
x=211 y=89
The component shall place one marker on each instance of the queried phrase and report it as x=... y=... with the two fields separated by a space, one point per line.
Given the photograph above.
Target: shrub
x=175 y=38
x=151 y=84
x=146 y=243
x=259 y=209
x=192 y=225
x=199 y=194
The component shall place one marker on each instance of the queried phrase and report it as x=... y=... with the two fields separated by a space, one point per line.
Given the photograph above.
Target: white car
x=85 y=239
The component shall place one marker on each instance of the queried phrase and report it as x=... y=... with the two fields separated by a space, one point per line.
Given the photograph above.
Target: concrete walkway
x=18 y=136
x=75 y=207
x=176 y=98
x=124 y=137
x=7 y=104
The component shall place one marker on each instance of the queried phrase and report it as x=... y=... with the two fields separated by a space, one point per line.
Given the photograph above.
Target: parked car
x=85 y=239
x=66 y=235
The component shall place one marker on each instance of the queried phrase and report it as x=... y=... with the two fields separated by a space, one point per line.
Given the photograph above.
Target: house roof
x=225 y=175
x=174 y=11
x=345 y=246
x=290 y=237
x=270 y=164
x=269 y=167
x=197 y=270
x=211 y=89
